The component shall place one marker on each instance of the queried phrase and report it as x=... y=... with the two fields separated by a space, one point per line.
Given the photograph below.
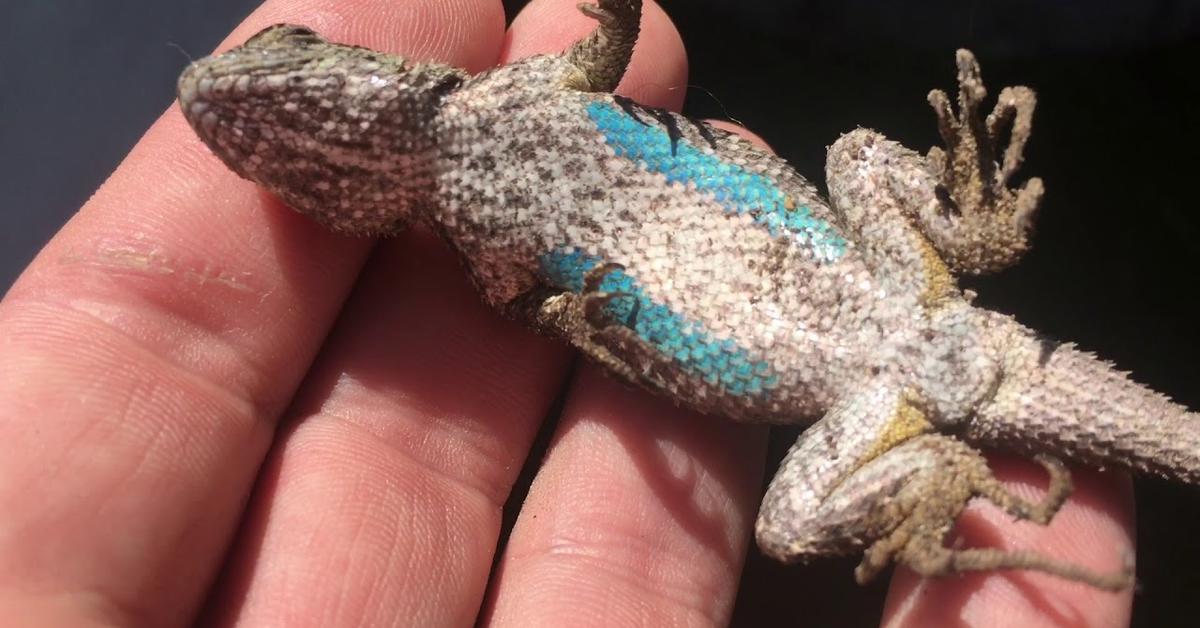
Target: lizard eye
x=292 y=33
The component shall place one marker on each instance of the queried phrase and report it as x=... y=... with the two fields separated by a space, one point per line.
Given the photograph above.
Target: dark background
x=1116 y=138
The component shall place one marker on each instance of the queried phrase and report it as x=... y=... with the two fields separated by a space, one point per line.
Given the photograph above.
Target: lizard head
x=341 y=133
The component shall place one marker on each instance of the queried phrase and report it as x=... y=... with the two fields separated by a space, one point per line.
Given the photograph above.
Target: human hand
x=204 y=416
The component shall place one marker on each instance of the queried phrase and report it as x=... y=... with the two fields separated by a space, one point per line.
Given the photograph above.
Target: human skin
x=212 y=408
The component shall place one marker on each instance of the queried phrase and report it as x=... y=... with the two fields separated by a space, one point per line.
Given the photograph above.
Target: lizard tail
x=1055 y=399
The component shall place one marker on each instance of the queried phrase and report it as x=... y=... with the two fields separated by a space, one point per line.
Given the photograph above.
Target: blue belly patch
x=717 y=362
x=735 y=188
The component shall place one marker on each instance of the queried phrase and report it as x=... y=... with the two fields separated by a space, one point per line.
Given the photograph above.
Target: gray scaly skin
x=698 y=266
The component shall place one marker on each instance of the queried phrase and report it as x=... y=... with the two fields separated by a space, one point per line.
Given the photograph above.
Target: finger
x=433 y=454
x=401 y=449
x=639 y=515
x=404 y=443
x=1093 y=529
x=641 y=511
x=150 y=346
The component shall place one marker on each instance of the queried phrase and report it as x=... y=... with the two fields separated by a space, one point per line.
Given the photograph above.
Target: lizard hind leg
x=926 y=508
x=872 y=474
x=600 y=59
x=979 y=224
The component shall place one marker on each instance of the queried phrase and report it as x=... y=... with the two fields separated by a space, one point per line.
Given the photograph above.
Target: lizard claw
x=598 y=307
x=603 y=17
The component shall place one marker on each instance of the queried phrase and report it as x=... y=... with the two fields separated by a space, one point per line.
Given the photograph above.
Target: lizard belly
x=739 y=281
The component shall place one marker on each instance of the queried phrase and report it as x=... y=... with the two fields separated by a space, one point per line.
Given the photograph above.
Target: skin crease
x=202 y=414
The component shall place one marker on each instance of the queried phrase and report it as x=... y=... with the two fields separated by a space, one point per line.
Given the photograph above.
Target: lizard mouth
x=215 y=100
x=195 y=90
x=221 y=90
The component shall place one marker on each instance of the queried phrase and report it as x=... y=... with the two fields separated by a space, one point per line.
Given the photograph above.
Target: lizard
x=694 y=264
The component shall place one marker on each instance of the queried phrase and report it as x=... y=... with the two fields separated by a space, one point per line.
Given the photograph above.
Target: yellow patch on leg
x=906 y=422
x=939 y=283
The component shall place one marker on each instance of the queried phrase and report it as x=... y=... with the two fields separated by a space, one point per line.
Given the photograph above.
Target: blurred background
x=1116 y=139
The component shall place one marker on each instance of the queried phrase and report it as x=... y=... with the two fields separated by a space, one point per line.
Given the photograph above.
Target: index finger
x=151 y=345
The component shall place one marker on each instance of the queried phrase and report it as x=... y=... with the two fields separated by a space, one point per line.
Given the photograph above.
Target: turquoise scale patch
x=735 y=188
x=720 y=362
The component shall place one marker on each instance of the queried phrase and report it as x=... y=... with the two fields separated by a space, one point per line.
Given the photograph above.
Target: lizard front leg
x=606 y=314
x=872 y=475
x=582 y=320
x=600 y=59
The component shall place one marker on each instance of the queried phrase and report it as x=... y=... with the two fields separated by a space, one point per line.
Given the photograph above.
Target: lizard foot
x=593 y=321
x=600 y=308
x=612 y=322
x=986 y=225
x=924 y=511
